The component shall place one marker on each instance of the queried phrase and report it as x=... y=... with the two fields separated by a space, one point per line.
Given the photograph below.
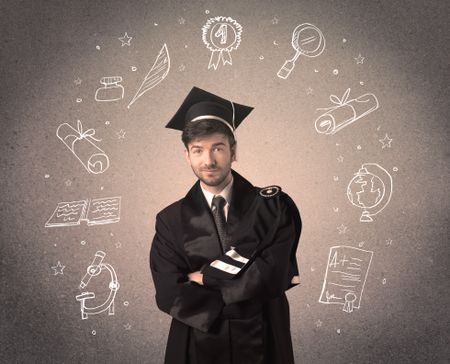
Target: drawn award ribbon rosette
x=82 y=145
x=221 y=35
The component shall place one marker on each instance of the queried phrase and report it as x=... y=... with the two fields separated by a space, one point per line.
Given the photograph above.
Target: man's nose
x=209 y=159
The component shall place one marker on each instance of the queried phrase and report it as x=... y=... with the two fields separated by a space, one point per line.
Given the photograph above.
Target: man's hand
x=196 y=277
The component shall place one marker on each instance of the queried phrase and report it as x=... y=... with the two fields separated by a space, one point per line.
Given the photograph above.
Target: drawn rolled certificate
x=345 y=112
x=82 y=145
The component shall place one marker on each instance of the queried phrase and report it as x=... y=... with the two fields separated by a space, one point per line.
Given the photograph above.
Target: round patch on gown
x=270 y=191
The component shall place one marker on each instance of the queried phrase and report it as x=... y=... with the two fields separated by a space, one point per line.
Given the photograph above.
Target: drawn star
x=389 y=242
x=275 y=20
x=181 y=20
x=68 y=183
x=340 y=159
x=127 y=326
x=359 y=59
x=342 y=229
x=386 y=141
x=126 y=39
x=58 y=268
x=319 y=323
x=118 y=245
x=78 y=81
x=121 y=134
x=309 y=91
x=181 y=68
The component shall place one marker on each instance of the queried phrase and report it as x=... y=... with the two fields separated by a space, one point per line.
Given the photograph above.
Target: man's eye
x=217 y=149
x=196 y=151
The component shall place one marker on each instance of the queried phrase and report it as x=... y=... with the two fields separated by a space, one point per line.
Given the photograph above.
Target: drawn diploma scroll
x=81 y=144
x=345 y=112
x=345 y=277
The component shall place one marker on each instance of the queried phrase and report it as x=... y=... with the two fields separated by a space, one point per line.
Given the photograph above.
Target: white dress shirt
x=225 y=193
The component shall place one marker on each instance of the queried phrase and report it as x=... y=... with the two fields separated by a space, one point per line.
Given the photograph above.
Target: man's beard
x=212 y=181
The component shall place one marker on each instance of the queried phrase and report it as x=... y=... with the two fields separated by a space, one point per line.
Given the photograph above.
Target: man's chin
x=212 y=182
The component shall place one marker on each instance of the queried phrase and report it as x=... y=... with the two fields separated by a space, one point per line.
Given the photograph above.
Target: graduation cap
x=203 y=105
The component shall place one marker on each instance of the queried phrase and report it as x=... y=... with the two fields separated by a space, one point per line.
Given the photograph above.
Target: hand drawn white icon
x=82 y=145
x=370 y=190
x=345 y=112
x=221 y=35
x=345 y=277
x=308 y=41
x=111 y=89
x=157 y=73
x=97 y=266
x=97 y=211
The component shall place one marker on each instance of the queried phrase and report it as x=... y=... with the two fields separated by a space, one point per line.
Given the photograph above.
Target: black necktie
x=218 y=203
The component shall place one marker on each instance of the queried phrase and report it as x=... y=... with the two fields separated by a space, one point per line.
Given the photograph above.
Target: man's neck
x=217 y=189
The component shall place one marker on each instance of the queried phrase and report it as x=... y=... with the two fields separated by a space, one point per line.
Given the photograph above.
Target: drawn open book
x=97 y=211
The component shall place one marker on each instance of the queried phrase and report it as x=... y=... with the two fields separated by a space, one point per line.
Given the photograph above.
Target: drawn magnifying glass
x=307 y=40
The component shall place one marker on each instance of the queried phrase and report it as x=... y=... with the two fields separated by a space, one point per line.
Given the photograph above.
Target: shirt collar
x=225 y=193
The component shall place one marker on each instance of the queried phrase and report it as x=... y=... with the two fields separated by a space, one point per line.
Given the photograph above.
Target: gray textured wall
x=46 y=45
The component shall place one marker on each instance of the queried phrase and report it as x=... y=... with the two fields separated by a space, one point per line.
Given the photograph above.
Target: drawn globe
x=365 y=190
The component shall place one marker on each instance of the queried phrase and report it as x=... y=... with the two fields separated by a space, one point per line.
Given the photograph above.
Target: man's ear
x=233 y=153
x=186 y=155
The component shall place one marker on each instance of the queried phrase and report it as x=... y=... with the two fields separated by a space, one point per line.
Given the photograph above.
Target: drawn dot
x=111 y=234
x=94 y=332
x=338 y=331
x=383 y=281
x=336 y=209
x=79 y=99
x=344 y=40
x=335 y=72
x=107 y=122
x=261 y=57
x=126 y=303
x=361 y=83
x=47 y=176
x=101 y=188
x=206 y=11
x=155 y=24
x=359 y=147
x=361 y=243
x=312 y=269
x=54 y=244
x=133 y=68
x=185 y=46
x=316 y=71
x=335 y=178
x=83 y=242
x=395 y=169
x=97 y=47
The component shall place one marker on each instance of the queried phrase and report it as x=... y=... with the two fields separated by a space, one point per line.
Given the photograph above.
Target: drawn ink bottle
x=111 y=90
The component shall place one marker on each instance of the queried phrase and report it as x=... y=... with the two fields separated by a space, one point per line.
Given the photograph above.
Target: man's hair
x=201 y=128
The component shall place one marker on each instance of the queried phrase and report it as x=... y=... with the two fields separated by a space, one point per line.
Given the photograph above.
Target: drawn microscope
x=94 y=270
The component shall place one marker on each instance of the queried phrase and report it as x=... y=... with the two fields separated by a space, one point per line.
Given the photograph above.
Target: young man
x=224 y=255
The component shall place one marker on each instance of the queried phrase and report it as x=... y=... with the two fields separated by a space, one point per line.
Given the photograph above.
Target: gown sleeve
x=245 y=273
x=190 y=303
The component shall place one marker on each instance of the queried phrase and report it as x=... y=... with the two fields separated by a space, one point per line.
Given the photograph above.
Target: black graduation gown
x=241 y=314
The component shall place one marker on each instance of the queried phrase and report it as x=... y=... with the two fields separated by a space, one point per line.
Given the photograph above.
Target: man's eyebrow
x=196 y=146
x=217 y=144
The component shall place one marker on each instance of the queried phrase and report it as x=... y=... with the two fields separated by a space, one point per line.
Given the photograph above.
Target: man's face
x=210 y=158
